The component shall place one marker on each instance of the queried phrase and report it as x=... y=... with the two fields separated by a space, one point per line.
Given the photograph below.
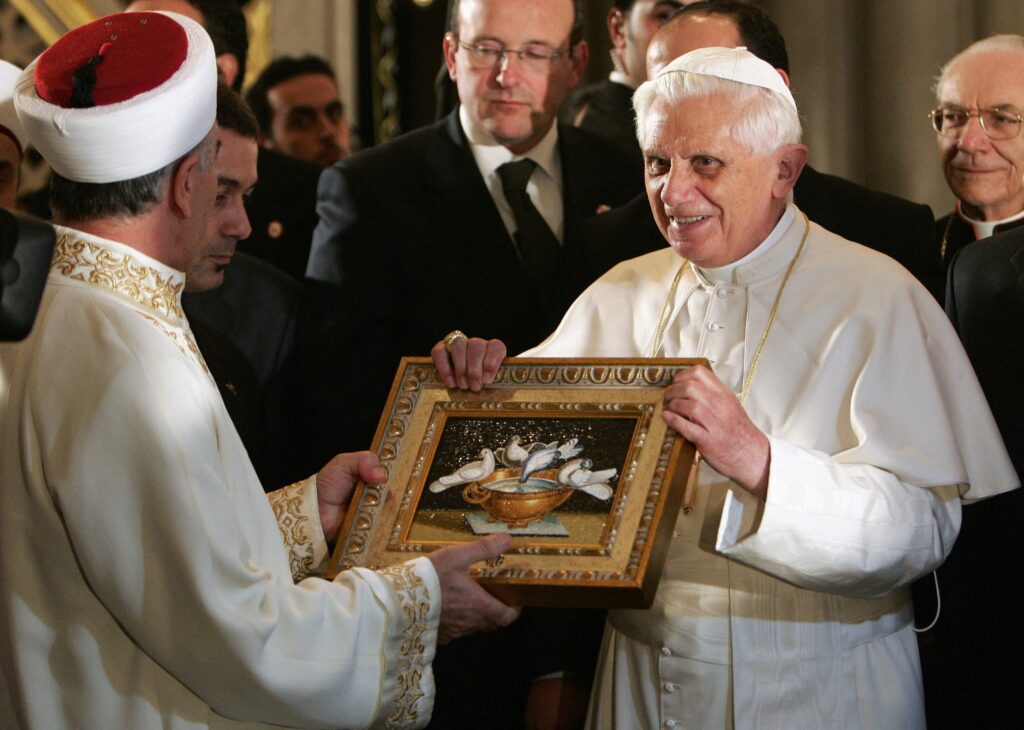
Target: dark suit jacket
x=282 y=211
x=246 y=331
x=610 y=114
x=973 y=658
x=410 y=246
x=896 y=227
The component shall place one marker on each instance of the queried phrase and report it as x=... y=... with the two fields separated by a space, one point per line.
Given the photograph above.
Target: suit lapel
x=459 y=203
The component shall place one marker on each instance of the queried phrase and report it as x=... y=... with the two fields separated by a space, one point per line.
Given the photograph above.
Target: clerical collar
x=491 y=154
x=617 y=77
x=727 y=273
x=120 y=269
x=984 y=229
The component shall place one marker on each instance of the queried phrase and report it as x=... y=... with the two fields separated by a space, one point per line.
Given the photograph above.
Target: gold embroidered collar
x=121 y=270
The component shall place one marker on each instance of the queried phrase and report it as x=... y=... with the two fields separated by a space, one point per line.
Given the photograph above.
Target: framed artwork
x=571 y=457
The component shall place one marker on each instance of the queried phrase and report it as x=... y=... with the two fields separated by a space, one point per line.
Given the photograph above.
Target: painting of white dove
x=474 y=471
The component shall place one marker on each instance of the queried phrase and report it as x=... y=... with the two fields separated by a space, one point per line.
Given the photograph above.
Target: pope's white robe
x=795 y=612
x=145 y=581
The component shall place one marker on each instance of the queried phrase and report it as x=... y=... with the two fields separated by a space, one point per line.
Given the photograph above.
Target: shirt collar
x=617 y=77
x=491 y=154
x=984 y=229
x=749 y=267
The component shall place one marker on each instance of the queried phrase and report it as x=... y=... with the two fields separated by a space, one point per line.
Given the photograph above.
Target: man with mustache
x=296 y=102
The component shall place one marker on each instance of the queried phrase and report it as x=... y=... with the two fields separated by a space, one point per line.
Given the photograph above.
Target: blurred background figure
x=12 y=136
x=296 y=103
x=608 y=106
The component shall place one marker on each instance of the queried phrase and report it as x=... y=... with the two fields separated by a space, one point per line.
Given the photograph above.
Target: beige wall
x=862 y=73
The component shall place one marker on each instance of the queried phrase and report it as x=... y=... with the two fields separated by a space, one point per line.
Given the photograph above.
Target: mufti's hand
x=466 y=608
x=336 y=482
x=468 y=363
x=702 y=409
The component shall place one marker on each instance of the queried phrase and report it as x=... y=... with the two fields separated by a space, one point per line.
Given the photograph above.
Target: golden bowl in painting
x=506 y=500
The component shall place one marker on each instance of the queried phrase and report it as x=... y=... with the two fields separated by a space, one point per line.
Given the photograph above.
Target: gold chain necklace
x=690 y=496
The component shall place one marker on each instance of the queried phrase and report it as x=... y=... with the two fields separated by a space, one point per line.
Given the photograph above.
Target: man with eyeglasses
x=977 y=123
x=476 y=219
x=973 y=658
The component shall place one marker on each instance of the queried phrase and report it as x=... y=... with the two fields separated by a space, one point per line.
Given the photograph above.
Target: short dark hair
x=575 y=33
x=80 y=201
x=225 y=23
x=234 y=115
x=277 y=72
x=759 y=33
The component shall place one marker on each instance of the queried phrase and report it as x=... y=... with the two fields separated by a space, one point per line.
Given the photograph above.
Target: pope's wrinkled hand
x=468 y=363
x=336 y=482
x=466 y=608
x=702 y=409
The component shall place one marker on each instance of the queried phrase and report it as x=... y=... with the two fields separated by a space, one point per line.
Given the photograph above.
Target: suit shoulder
x=281 y=171
x=261 y=274
x=404 y=152
x=598 y=145
x=860 y=197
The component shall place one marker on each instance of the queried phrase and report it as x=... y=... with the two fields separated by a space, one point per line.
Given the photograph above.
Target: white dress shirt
x=545 y=186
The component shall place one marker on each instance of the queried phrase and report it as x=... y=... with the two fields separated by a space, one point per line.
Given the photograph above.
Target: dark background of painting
x=604 y=440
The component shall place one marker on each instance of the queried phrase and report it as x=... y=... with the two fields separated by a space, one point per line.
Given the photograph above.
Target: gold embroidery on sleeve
x=287 y=506
x=414 y=599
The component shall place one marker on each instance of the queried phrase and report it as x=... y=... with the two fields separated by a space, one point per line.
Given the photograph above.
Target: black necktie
x=538 y=247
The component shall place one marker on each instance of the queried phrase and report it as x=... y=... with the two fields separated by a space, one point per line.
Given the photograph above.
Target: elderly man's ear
x=792 y=159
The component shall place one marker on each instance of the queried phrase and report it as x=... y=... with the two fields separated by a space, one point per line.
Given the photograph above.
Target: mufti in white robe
x=795 y=612
x=145 y=580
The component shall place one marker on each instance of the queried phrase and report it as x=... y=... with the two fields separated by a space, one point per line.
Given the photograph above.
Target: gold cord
x=690 y=497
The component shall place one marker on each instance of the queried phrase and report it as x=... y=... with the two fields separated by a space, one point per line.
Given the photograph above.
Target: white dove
x=474 y=471
x=577 y=474
x=539 y=459
x=569 y=449
x=513 y=454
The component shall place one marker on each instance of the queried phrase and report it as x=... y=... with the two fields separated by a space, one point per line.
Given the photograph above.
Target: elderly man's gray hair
x=1004 y=42
x=768 y=121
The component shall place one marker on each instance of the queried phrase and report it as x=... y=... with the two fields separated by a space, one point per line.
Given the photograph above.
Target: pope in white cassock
x=840 y=429
x=145 y=579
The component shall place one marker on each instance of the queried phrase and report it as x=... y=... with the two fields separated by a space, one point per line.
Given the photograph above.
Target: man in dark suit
x=609 y=108
x=978 y=131
x=445 y=205
x=429 y=207
x=242 y=311
x=894 y=226
x=972 y=658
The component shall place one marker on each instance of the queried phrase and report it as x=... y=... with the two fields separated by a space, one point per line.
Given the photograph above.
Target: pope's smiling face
x=713 y=199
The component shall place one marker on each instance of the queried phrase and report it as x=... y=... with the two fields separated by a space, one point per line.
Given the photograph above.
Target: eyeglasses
x=533 y=56
x=950 y=121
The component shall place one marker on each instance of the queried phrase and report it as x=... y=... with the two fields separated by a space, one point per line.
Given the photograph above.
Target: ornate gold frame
x=621 y=567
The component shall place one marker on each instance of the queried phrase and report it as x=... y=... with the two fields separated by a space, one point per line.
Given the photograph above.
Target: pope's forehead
x=702 y=114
